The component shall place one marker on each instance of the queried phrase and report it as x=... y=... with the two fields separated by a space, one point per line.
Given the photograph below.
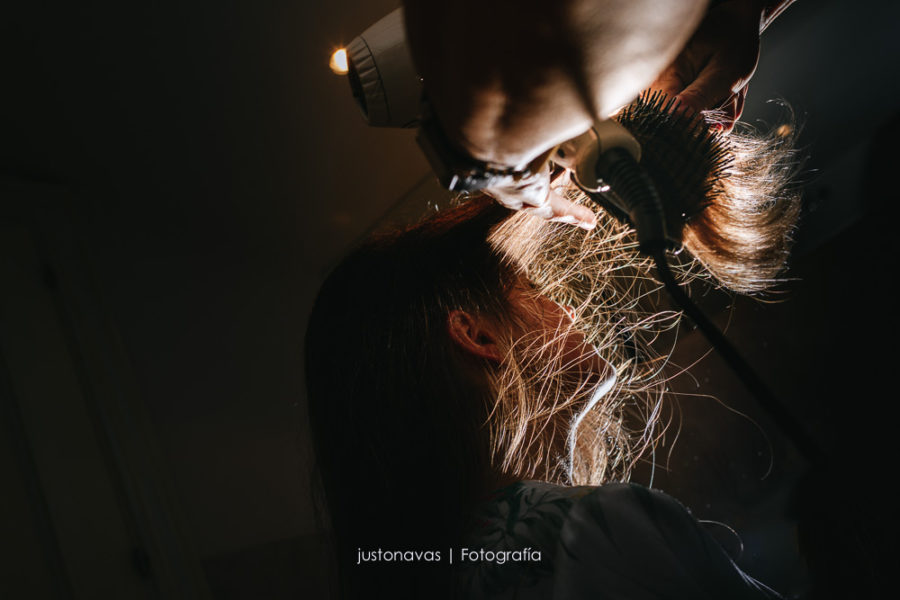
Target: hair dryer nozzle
x=381 y=73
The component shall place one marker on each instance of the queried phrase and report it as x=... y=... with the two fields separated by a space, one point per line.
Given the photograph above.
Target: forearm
x=510 y=80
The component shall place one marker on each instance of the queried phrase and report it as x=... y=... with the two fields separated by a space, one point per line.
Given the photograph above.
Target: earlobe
x=472 y=335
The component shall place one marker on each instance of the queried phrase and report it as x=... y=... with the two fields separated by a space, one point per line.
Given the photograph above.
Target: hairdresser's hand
x=536 y=194
x=713 y=70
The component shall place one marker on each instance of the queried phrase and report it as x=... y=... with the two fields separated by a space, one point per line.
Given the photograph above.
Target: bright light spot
x=338 y=62
x=784 y=131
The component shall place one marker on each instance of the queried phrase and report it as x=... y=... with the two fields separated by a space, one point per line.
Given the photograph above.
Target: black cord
x=776 y=409
x=632 y=196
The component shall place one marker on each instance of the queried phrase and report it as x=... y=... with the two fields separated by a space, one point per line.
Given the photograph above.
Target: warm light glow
x=338 y=62
x=784 y=131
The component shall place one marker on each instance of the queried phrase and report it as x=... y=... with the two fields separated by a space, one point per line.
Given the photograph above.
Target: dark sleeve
x=625 y=541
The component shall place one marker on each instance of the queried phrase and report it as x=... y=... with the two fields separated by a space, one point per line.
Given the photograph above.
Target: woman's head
x=544 y=374
x=435 y=369
x=483 y=345
x=395 y=404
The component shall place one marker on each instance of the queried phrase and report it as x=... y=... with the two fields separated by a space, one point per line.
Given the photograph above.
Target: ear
x=473 y=335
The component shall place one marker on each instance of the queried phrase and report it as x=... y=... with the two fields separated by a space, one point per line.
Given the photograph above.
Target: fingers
x=670 y=82
x=693 y=93
x=534 y=196
x=531 y=191
x=707 y=91
x=560 y=210
x=566 y=211
x=730 y=111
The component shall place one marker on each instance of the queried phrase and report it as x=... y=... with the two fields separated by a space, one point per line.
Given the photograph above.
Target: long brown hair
x=409 y=430
x=396 y=409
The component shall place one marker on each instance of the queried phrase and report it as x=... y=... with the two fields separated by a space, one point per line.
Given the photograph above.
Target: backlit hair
x=410 y=431
x=737 y=234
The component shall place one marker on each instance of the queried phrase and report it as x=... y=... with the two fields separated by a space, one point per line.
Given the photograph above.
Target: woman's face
x=558 y=335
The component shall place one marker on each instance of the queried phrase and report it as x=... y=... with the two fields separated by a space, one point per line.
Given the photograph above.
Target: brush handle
x=634 y=194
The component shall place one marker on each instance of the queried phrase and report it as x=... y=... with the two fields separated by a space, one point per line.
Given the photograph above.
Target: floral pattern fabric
x=618 y=541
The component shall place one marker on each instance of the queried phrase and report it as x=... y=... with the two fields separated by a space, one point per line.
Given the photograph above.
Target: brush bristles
x=682 y=155
x=730 y=195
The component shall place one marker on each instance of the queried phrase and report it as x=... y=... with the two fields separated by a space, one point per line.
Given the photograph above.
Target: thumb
x=706 y=92
x=533 y=195
x=670 y=81
x=730 y=111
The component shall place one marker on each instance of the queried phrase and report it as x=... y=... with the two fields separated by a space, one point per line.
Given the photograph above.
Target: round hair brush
x=661 y=181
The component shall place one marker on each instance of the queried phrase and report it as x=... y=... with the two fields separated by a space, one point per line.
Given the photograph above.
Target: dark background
x=177 y=178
